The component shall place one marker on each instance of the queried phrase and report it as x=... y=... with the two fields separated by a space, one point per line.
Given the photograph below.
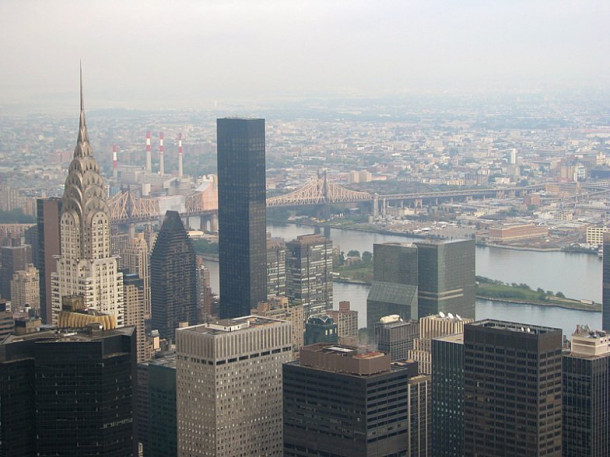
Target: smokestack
x=180 y=156
x=115 y=163
x=161 y=164
x=148 y=157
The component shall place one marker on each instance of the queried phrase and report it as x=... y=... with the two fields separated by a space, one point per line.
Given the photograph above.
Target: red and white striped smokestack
x=180 y=156
x=148 y=156
x=161 y=163
x=115 y=163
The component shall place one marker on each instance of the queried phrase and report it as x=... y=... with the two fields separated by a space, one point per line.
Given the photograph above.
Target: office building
x=586 y=394
x=229 y=387
x=68 y=394
x=204 y=291
x=420 y=416
x=48 y=214
x=395 y=336
x=283 y=309
x=341 y=402
x=162 y=418
x=173 y=278
x=135 y=258
x=321 y=329
x=448 y=396
x=606 y=284
x=394 y=288
x=515 y=407
x=14 y=259
x=446 y=277
x=276 y=266
x=431 y=327
x=309 y=266
x=347 y=323
x=25 y=289
x=242 y=233
x=133 y=292
x=85 y=265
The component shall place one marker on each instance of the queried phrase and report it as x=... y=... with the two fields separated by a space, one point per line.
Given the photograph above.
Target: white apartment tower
x=229 y=387
x=85 y=266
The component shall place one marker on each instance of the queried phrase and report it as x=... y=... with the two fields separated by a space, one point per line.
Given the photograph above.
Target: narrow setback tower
x=180 y=156
x=148 y=156
x=115 y=163
x=161 y=163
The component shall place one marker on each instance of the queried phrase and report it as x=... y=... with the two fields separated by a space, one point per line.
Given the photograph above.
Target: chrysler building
x=85 y=266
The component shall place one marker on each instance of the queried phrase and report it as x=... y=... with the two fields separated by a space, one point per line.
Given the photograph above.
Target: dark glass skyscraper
x=242 y=240
x=173 y=278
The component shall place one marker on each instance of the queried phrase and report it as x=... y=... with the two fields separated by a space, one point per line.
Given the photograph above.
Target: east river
x=576 y=275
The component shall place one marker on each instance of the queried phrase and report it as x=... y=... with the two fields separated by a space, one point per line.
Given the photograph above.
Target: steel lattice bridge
x=128 y=207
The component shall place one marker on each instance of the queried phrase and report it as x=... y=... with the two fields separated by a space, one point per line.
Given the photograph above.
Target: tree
x=367 y=257
x=353 y=253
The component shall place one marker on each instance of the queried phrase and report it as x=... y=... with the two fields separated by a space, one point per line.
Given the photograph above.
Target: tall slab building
x=85 y=266
x=606 y=284
x=229 y=387
x=47 y=214
x=242 y=239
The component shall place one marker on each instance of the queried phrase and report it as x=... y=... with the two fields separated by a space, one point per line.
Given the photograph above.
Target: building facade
x=448 y=396
x=446 y=277
x=606 y=284
x=276 y=266
x=586 y=394
x=135 y=258
x=229 y=387
x=133 y=291
x=85 y=265
x=395 y=336
x=25 y=289
x=173 y=278
x=339 y=402
x=309 y=266
x=347 y=323
x=48 y=214
x=321 y=329
x=14 y=259
x=242 y=207
x=516 y=407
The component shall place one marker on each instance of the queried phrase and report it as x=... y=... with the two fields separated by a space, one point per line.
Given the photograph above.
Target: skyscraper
x=229 y=387
x=512 y=389
x=606 y=284
x=446 y=271
x=276 y=266
x=395 y=336
x=309 y=266
x=173 y=278
x=69 y=395
x=14 y=259
x=448 y=396
x=242 y=238
x=136 y=260
x=25 y=289
x=48 y=214
x=586 y=394
x=340 y=402
x=85 y=266
x=133 y=292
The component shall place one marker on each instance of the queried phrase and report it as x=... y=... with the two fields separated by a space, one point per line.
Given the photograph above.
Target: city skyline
x=210 y=54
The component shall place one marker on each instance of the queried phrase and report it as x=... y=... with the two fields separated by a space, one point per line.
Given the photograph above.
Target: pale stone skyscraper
x=86 y=266
x=136 y=259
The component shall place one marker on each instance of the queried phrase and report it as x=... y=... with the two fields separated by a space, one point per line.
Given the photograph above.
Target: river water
x=576 y=275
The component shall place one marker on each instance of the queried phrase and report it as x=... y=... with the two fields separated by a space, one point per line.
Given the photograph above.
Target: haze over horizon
x=198 y=54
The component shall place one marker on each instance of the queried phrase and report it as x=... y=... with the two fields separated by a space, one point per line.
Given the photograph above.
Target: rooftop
x=514 y=326
x=222 y=326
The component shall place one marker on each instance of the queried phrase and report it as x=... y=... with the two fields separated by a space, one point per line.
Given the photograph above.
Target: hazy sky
x=189 y=53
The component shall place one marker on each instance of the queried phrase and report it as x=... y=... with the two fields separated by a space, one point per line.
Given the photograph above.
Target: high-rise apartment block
x=431 y=327
x=512 y=389
x=276 y=266
x=446 y=277
x=229 y=386
x=394 y=288
x=586 y=394
x=25 y=289
x=242 y=233
x=68 y=394
x=395 y=336
x=85 y=265
x=135 y=258
x=347 y=323
x=448 y=396
x=309 y=266
x=342 y=402
x=48 y=214
x=173 y=278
